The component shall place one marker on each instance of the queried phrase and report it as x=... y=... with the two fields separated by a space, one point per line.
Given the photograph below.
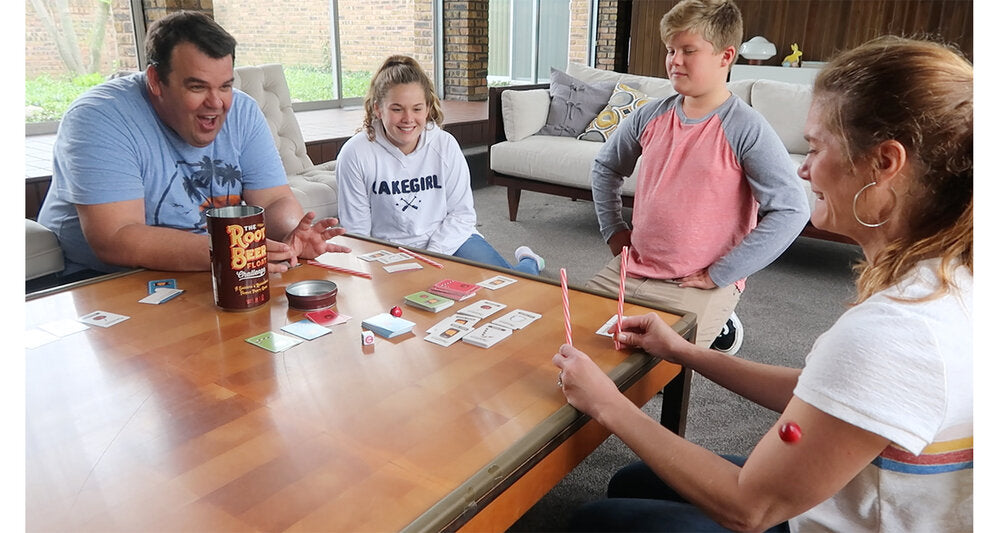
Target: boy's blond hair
x=717 y=21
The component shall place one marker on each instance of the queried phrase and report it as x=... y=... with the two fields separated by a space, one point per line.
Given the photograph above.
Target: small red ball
x=396 y=311
x=790 y=432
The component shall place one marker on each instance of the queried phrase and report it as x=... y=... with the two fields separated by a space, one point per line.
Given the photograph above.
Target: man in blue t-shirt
x=139 y=159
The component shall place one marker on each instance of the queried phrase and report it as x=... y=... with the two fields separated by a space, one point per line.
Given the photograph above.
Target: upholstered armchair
x=315 y=186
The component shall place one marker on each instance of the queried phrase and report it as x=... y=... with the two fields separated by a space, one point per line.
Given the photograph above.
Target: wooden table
x=170 y=421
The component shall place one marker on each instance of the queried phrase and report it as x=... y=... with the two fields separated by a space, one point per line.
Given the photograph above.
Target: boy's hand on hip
x=698 y=280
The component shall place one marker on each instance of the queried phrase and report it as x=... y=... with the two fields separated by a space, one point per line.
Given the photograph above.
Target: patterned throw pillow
x=623 y=101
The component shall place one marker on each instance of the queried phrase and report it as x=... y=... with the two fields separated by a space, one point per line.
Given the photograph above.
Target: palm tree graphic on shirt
x=209 y=184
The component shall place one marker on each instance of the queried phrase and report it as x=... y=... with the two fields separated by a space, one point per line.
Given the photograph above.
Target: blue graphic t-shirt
x=113 y=147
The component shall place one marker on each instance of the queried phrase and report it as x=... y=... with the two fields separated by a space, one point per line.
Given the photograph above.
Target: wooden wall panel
x=35 y=190
x=820 y=27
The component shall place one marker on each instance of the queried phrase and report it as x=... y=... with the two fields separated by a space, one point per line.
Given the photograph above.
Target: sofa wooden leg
x=513 y=199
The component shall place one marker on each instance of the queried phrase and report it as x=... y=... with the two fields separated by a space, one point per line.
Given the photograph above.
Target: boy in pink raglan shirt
x=711 y=166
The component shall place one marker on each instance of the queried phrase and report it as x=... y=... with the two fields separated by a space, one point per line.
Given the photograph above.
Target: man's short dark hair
x=193 y=27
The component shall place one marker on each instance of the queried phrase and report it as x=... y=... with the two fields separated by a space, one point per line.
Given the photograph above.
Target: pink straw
x=565 y=302
x=621 y=296
x=339 y=269
x=415 y=255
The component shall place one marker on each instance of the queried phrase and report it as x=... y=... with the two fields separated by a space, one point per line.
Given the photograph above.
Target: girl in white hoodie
x=402 y=178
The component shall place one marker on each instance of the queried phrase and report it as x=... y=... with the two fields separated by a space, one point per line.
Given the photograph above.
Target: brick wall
x=466 y=49
x=290 y=33
x=579 y=30
x=613 y=18
x=372 y=30
x=156 y=9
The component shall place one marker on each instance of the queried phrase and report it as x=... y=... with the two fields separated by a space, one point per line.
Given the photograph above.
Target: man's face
x=195 y=97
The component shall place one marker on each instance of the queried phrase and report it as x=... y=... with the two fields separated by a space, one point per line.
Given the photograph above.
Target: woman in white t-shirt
x=402 y=178
x=875 y=432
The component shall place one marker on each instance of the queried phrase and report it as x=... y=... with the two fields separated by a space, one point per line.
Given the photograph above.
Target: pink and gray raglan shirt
x=717 y=192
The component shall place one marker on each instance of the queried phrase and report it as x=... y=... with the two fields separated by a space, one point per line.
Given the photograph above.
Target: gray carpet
x=784 y=308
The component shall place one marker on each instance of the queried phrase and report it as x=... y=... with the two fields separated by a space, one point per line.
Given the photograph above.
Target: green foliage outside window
x=46 y=98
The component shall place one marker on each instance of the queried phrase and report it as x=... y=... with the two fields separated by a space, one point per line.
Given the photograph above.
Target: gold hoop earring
x=854 y=207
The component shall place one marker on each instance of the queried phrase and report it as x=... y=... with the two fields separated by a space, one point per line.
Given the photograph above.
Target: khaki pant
x=713 y=306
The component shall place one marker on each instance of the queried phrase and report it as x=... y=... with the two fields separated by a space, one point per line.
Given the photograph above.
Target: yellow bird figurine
x=793 y=58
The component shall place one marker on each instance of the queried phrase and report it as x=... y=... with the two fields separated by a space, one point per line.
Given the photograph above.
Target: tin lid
x=311 y=294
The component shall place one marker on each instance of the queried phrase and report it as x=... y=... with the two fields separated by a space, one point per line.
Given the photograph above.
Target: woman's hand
x=655 y=337
x=585 y=385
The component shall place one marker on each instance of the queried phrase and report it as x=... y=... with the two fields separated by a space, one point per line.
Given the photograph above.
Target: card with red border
x=327 y=317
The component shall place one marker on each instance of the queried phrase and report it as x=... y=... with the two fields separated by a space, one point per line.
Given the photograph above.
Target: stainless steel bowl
x=311 y=294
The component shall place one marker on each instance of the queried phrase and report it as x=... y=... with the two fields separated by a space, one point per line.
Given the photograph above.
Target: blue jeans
x=638 y=500
x=476 y=248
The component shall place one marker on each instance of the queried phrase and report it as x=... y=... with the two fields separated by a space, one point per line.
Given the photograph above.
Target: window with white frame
x=529 y=37
x=70 y=46
x=329 y=48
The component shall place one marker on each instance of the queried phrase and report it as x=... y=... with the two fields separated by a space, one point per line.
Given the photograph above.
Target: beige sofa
x=315 y=186
x=523 y=159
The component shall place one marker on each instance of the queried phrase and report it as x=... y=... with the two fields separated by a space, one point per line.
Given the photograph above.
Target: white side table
x=804 y=75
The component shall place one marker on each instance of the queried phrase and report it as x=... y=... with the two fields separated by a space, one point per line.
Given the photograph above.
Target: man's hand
x=698 y=280
x=307 y=240
x=620 y=240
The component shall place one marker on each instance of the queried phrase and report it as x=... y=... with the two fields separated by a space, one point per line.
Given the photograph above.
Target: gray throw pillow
x=574 y=104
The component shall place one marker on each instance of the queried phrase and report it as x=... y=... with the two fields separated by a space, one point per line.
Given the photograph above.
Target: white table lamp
x=757 y=50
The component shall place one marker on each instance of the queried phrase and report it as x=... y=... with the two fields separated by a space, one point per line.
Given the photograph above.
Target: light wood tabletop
x=171 y=421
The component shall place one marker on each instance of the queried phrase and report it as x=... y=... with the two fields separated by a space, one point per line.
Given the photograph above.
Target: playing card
x=457 y=319
x=608 y=329
x=391 y=258
x=386 y=325
x=456 y=290
x=274 y=342
x=103 y=319
x=427 y=301
x=306 y=329
x=496 y=282
x=482 y=308
x=161 y=295
x=402 y=266
x=33 y=338
x=327 y=317
x=61 y=328
x=449 y=335
x=161 y=284
x=517 y=319
x=374 y=256
x=486 y=336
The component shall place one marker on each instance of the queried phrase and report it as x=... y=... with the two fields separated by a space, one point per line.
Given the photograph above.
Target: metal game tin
x=239 y=256
x=311 y=294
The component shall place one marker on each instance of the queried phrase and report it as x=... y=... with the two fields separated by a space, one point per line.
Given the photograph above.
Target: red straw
x=565 y=302
x=621 y=296
x=339 y=269
x=427 y=260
